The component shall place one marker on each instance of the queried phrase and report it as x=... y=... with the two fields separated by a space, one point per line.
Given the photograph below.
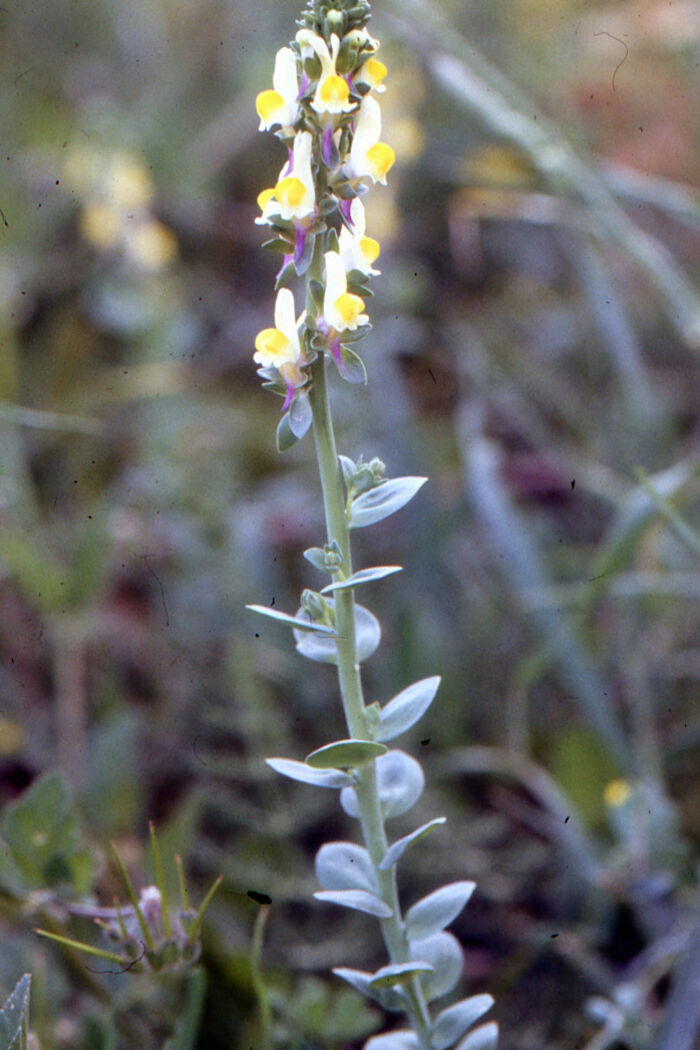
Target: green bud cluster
x=335 y=16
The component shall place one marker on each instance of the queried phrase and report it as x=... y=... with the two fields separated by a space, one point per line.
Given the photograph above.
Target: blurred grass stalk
x=526 y=573
x=487 y=94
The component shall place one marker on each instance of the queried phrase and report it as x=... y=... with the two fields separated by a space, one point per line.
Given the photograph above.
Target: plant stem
x=366 y=788
x=259 y=987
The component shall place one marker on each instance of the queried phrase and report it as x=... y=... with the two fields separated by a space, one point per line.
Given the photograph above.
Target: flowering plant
x=323 y=107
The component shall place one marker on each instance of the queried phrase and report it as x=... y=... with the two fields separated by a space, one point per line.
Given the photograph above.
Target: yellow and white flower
x=368 y=156
x=280 y=105
x=294 y=196
x=372 y=73
x=279 y=347
x=332 y=93
x=357 y=251
x=342 y=311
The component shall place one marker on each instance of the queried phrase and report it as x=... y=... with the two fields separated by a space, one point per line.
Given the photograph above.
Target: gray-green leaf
x=297 y=622
x=285 y=435
x=436 y=911
x=451 y=1024
x=14 y=1012
x=396 y=851
x=400 y=782
x=383 y=500
x=345 y=754
x=360 y=900
x=300 y=414
x=327 y=778
x=345 y=866
x=352 y=366
x=485 y=1037
x=362 y=576
x=399 y=973
x=406 y=708
x=368 y=634
x=397 y=1040
x=443 y=952
x=389 y=998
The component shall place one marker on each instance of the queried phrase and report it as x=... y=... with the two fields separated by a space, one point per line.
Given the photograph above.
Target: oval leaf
x=360 y=900
x=368 y=634
x=452 y=1023
x=387 y=997
x=399 y=973
x=297 y=622
x=345 y=754
x=363 y=576
x=436 y=911
x=380 y=502
x=300 y=414
x=444 y=954
x=406 y=708
x=327 y=778
x=352 y=367
x=317 y=557
x=485 y=1037
x=401 y=1040
x=395 y=852
x=348 y=468
x=359 y=979
x=400 y=781
x=285 y=435
x=345 y=866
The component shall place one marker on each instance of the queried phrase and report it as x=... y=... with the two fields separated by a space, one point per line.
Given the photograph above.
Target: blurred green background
x=534 y=352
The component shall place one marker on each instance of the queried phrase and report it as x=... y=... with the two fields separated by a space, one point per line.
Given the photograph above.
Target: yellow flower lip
x=369 y=248
x=290 y=191
x=268 y=103
x=349 y=307
x=265 y=197
x=373 y=72
x=380 y=158
x=333 y=91
x=273 y=348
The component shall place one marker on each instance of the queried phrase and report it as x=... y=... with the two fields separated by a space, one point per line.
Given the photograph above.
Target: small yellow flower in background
x=101 y=224
x=357 y=251
x=280 y=106
x=151 y=245
x=368 y=156
x=127 y=184
x=342 y=311
x=616 y=793
x=115 y=216
x=11 y=736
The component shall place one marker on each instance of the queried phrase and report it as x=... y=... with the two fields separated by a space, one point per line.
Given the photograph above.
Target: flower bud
x=316 y=607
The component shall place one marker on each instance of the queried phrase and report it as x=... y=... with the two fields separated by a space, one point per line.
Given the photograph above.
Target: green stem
x=257 y=980
x=371 y=817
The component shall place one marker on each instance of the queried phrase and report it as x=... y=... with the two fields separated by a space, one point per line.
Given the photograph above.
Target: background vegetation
x=534 y=352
